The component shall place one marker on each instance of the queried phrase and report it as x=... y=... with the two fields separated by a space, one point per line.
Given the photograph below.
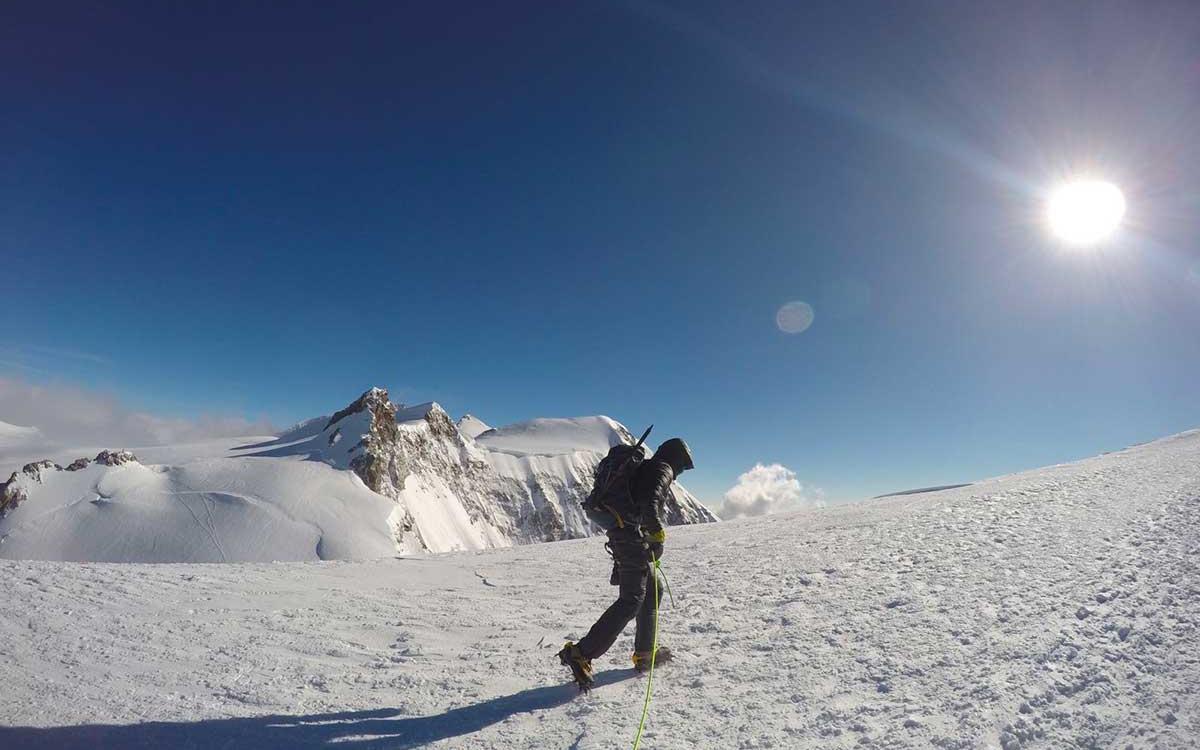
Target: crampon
x=581 y=666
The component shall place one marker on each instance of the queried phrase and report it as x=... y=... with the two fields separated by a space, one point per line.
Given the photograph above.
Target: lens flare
x=1083 y=213
x=794 y=317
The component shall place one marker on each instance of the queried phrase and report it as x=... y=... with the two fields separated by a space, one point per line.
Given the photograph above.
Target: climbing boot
x=641 y=659
x=581 y=666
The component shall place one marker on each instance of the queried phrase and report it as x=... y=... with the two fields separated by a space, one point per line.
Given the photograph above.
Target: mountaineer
x=627 y=501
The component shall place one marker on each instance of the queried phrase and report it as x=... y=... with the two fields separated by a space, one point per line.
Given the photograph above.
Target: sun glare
x=1084 y=212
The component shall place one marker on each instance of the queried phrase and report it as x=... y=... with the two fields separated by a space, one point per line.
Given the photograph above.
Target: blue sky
x=563 y=209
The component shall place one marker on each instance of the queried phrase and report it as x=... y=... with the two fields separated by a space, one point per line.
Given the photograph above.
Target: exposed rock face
x=114 y=458
x=11 y=494
x=375 y=458
x=369 y=401
x=440 y=424
x=523 y=499
x=435 y=448
x=452 y=491
x=36 y=468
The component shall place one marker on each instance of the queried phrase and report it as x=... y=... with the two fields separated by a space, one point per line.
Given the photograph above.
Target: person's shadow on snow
x=360 y=730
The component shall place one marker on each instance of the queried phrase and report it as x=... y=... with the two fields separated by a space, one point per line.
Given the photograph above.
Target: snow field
x=206 y=510
x=1052 y=609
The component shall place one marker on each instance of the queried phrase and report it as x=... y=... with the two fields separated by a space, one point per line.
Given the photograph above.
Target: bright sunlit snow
x=1084 y=212
x=1051 y=609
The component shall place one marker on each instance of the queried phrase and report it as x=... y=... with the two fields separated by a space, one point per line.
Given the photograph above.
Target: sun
x=1084 y=212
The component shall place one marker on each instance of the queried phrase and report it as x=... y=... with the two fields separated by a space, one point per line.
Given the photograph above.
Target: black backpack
x=610 y=503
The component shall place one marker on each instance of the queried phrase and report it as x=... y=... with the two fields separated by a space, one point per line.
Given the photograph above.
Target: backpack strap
x=616 y=515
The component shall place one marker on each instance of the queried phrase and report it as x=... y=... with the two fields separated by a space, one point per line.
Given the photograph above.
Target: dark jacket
x=649 y=489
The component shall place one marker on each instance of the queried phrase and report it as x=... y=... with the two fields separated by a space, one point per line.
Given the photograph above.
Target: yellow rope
x=668 y=582
x=637 y=741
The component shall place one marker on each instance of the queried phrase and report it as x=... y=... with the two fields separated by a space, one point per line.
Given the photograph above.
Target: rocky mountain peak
x=440 y=423
x=376 y=458
x=35 y=468
x=13 y=494
x=374 y=400
x=114 y=458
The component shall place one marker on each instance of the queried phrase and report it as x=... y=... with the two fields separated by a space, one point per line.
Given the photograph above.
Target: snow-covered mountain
x=371 y=480
x=472 y=426
x=1057 y=608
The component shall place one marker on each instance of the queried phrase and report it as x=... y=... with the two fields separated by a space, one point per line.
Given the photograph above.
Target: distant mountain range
x=373 y=479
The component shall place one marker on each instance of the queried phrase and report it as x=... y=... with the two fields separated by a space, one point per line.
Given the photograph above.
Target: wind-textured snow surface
x=1052 y=609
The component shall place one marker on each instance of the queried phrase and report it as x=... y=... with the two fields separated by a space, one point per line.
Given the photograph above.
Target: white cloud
x=768 y=489
x=66 y=416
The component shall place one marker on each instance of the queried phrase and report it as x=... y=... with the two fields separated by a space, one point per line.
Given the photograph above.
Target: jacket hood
x=676 y=453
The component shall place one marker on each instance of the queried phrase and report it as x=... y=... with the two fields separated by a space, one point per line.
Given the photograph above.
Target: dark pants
x=635 y=599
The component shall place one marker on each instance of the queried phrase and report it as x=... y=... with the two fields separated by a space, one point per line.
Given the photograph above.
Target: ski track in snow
x=209 y=528
x=1052 y=609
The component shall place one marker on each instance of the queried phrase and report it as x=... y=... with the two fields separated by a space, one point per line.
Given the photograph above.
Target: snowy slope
x=1052 y=609
x=212 y=510
x=371 y=480
x=471 y=426
x=549 y=436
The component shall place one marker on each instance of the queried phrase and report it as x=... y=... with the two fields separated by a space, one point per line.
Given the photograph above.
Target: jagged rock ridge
x=494 y=495
x=12 y=494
